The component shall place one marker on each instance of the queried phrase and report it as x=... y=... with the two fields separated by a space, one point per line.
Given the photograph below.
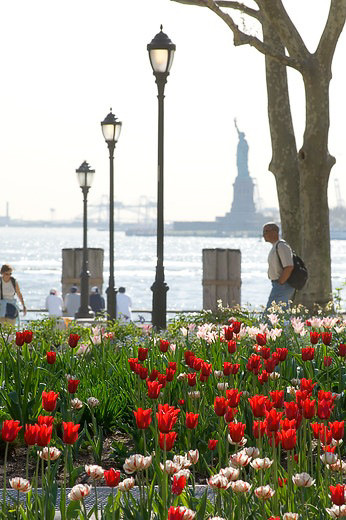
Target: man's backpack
x=299 y=275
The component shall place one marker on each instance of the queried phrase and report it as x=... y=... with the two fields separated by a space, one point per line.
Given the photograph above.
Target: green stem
x=4 y=491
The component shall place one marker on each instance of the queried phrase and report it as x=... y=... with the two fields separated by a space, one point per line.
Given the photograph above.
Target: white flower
x=94 y=471
x=137 y=463
x=240 y=459
x=170 y=467
x=339 y=465
x=193 y=456
x=184 y=331
x=274 y=375
x=303 y=480
x=182 y=376
x=79 y=491
x=93 y=402
x=218 y=481
x=53 y=453
x=188 y=513
x=216 y=518
x=76 y=404
x=252 y=451
x=218 y=374
x=194 y=395
x=329 y=458
x=274 y=319
x=291 y=516
x=20 y=484
x=239 y=486
x=126 y=484
x=182 y=460
x=230 y=473
x=222 y=386
x=261 y=463
x=336 y=511
x=183 y=473
x=264 y=492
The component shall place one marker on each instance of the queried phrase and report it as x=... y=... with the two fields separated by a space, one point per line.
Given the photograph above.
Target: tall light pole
x=85 y=177
x=161 y=52
x=111 y=128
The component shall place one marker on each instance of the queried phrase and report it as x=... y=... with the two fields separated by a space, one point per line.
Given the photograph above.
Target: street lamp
x=85 y=177
x=161 y=53
x=111 y=128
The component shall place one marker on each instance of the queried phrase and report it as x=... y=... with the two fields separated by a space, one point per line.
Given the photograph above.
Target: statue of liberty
x=242 y=153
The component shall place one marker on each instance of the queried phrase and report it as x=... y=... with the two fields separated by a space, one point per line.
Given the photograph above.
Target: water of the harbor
x=35 y=254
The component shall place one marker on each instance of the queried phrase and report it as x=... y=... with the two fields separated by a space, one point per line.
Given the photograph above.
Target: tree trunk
x=315 y=164
x=284 y=163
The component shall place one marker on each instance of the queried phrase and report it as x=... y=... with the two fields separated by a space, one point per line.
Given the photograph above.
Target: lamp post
x=161 y=52
x=111 y=128
x=85 y=177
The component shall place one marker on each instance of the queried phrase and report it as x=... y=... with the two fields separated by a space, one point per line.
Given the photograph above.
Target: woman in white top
x=9 y=287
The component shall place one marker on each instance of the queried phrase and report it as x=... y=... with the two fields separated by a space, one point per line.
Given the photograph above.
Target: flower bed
x=252 y=408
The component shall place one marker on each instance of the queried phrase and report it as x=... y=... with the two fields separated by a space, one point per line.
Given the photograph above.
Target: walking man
x=280 y=265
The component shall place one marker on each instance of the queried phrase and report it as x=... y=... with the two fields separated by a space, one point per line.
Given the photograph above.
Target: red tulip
x=142 y=371
x=314 y=337
x=327 y=361
x=291 y=410
x=73 y=340
x=261 y=339
x=273 y=419
x=19 y=339
x=258 y=429
x=277 y=396
x=212 y=443
x=258 y=405
x=337 y=429
x=188 y=354
x=316 y=428
x=112 y=477
x=324 y=409
x=143 y=418
x=236 y=431
x=166 y=440
x=220 y=406
x=162 y=379
x=166 y=421
x=73 y=385
x=142 y=353
x=30 y=435
x=270 y=364
x=309 y=408
x=170 y=372
x=337 y=494
x=263 y=377
x=153 y=374
x=45 y=419
x=196 y=363
x=163 y=345
x=44 y=435
x=178 y=484
x=232 y=346
x=288 y=424
x=51 y=357
x=342 y=350
x=288 y=439
x=70 y=432
x=191 y=379
x=233 y=396
x=133 y=363
x=307 y=385
x=191 y=420
x=10 y=430
x=301 y=395
x=154 y=389
x=27 y=334
x=206 y=368
x=254 y=364
x=308 y=353
x=175 y=513
x=325 y=435
x=228 y=333
x=236 y=326
x=172 y=365
x=49 y=400
x=326 y=338
x=230 y=414
x=282 y=353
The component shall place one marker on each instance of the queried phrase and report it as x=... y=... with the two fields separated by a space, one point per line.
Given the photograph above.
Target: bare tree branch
x=241 y=38
x=334 y=25
x=240 y=7
x=283 y=25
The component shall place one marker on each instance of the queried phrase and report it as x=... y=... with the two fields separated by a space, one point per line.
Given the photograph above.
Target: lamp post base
x=159 y=304
x=85 y=313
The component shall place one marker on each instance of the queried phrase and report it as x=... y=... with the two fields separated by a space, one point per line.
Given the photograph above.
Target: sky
x=64 y=64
